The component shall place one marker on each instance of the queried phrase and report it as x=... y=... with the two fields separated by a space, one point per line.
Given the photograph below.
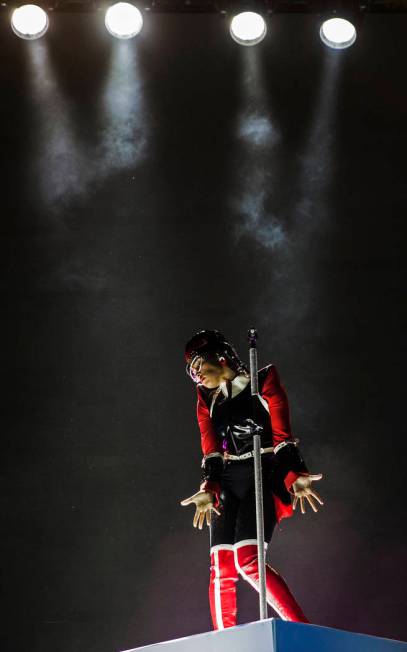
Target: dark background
x=154 y=187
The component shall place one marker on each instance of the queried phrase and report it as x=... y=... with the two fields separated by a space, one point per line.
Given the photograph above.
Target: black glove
x=289 y=458
x=212 y=468
x=246 y=432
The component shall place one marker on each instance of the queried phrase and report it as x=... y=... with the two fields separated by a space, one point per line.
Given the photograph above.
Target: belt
x=270 y=449
x=248 y=455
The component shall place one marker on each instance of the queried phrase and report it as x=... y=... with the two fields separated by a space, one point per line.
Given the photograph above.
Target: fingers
x=317 y=497
x=308 y=495
x=316 y=476
x=253 y=425
x=245 y=429
x=201 y=520
x=202 y=512
x=311 y=502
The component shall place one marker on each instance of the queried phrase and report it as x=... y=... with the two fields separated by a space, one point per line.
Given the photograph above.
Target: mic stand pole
x=252 y=335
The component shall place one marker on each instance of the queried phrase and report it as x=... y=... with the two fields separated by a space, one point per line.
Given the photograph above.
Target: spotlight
x=248 y=28
x=29 y=22
x=123 y=20
x=338 y=33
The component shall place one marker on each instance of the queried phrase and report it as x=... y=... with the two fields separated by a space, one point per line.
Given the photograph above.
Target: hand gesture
x=203 y=501
x=247 y=431
x=302 y=490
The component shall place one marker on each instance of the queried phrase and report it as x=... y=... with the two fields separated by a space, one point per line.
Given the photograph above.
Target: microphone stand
x=252 y=335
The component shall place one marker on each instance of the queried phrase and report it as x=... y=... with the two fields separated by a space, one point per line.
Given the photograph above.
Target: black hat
x=212 y=343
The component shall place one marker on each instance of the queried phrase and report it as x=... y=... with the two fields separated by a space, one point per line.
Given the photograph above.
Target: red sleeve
x=275 y=395
x=209 y=441
x=209 y=444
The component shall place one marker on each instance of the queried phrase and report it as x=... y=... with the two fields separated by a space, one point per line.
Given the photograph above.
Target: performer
x=226 y=498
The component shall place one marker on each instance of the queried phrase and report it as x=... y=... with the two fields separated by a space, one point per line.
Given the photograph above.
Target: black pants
x=237 y=521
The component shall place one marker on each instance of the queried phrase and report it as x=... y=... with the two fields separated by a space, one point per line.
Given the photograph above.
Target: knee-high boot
x=222 y=586
x=279 y=596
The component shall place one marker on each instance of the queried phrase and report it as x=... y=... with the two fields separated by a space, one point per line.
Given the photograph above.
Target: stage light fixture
x=123 y=20
x=338 y=33
x=29 y=22
x=248 y=28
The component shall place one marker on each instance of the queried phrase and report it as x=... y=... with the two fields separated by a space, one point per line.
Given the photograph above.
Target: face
x=208 y=373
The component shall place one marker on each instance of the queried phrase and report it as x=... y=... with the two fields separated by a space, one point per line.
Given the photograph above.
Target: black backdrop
x=162 y=185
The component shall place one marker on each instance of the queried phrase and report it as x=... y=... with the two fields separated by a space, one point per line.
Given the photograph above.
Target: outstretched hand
x=203 y=501
x=303 y=491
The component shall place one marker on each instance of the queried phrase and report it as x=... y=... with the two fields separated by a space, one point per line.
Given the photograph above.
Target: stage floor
x=275 y=635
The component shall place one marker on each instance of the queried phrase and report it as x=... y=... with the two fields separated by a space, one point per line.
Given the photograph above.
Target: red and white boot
x=279 y=596
x=222 y=586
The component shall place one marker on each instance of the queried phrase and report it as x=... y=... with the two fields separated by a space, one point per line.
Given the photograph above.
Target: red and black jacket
x=217 y=416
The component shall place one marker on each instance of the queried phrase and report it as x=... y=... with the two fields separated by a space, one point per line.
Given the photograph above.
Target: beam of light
x=248 y=28
x=256 y=129
x=310 y=213
x=125 y=124
x=123 y=20
x=256 y=140
x=292 y=284
x=317 y=158
x=258 y=220
x=63 y=166
x=29 y=22
x=59 y=169
x=338 y=33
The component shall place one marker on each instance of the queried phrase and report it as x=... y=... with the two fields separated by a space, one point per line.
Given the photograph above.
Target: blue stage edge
x=274 y=635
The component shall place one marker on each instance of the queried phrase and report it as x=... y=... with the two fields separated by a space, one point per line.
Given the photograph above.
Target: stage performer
x=226 y=498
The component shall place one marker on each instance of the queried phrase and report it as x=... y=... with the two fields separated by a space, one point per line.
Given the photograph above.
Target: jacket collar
x=237 y=385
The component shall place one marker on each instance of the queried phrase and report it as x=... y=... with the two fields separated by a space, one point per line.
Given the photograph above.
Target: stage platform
x=275 y=635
